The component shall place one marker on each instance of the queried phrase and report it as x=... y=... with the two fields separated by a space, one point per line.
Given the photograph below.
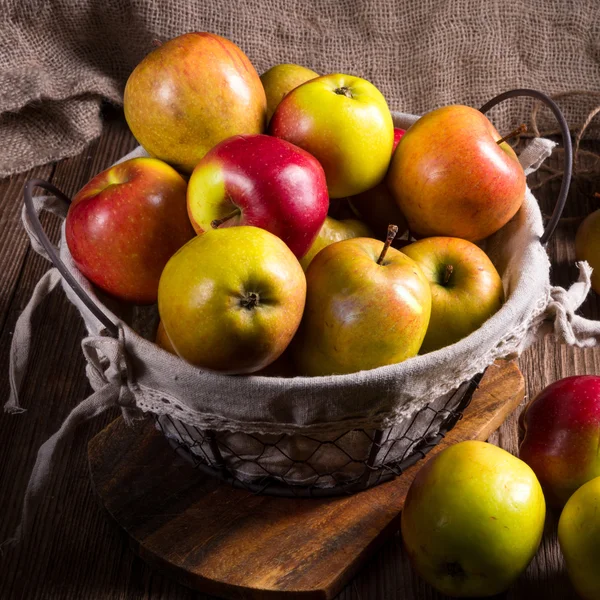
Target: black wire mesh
x=301 y=465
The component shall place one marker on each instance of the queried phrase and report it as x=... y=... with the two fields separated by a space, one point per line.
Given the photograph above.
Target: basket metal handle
x=568 y=151
x=53 y=253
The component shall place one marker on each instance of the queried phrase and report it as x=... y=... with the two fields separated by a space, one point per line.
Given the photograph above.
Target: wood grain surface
x=75 y=552
x=234 y=543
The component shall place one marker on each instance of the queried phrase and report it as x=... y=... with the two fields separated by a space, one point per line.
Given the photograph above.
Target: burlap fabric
x=60 y=58
x=131 y=372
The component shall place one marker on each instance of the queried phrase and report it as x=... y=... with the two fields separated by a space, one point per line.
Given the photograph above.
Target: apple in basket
x=473 y=520
x=231 y=299
x=452 y=176
x=561 y=430
x=191 y=93
x=579 y=538
x=466 y=289
x=587 y=246
x=367 y=305
x=280 y=80
x=376 y=207
x=334 y=231
x=344 y=121
x=262 y=181
x=124 y=225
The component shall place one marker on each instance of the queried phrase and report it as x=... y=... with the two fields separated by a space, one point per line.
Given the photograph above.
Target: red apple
x=191 y=93
x=377 y=208
x=125 y=224
x=261 y=181
x=561 y=436
x=451 y=177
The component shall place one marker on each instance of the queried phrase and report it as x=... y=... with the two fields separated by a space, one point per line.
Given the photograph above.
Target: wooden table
x=75 y=552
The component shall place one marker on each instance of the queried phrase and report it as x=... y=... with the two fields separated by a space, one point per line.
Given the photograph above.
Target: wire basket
x=341 y=462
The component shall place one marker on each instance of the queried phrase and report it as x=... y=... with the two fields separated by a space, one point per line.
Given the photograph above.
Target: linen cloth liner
x=60 y=58
x=135 y=374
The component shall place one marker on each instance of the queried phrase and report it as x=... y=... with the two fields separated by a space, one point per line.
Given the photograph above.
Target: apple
x=466 y=289
x=231 y=299
x=376 y=207
x=279 y=80
x=191 y=93
x=450 y=177
x=346 y=124
x=261 y=181
x=587 y=246
x=561 y=427
x=334 y=231
x=367 y=305
x=579 y=538
x=124 y=225
x=473 y=520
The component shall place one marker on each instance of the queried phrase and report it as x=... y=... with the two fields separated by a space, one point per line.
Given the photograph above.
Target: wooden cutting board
x=234 y=544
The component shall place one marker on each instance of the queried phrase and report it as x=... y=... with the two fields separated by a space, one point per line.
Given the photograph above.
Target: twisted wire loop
x=309 y=466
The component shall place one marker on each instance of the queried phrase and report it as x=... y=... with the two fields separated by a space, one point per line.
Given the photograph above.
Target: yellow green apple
x=587 y=246
x=466 y=289
x=343 y=121
x=191 y=93
x=473 y=520
x=579 y=538
x=367 y=305
x=279 y=80
x=231 y=299
x=451 y=177
x=334 y=231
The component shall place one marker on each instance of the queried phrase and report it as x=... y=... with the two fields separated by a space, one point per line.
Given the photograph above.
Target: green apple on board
x=579 y=538
x=587 y=246
x=343 y=121
x=367 y=305
x=334 y=231
x=451 y=177
x=473 y=519
x=191 y=93
x=279 y=80
x=466 y=289
x=124 y=225
x=231 y=299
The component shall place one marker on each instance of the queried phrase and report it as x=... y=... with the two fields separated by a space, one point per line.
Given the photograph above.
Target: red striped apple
x=561 y=436
x=345 y=123
x=191 y=93
x=125 y=224
x=260 y=181
x=451 y=177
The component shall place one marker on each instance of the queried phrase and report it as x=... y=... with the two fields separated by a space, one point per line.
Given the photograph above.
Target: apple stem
x=448 y=273
x=218 y=222
x=518 y=131
x=343 y=91
x=391 y=234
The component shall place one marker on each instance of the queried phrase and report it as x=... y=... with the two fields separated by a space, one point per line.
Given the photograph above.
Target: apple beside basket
x=306 y=436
